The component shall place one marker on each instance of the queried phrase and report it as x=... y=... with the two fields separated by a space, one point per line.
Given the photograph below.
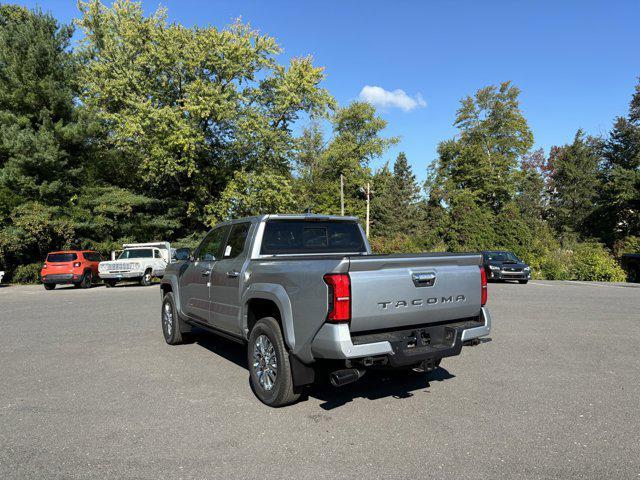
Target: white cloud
x=380 y=97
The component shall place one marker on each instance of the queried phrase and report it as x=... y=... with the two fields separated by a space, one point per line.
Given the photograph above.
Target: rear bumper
x=119 y=275
x=59 y=278
x=334 y=341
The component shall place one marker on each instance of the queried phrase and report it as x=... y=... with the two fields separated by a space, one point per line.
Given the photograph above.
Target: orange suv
x=79 y=267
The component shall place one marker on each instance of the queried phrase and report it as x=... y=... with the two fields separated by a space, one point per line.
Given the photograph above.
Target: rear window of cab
x=61 y=257
x=301 y=237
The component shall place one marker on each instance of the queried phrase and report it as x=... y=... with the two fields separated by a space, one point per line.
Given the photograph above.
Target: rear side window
x=92 y=256
x=236 y=241
x=61 y=257
x=300 y=237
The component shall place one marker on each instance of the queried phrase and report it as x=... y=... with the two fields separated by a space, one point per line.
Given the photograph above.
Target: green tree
x=530 y=197
x=573 y=183
x=618 y=201
x=357 y=140
x=397 y=205
x=44 y=135
x=187 y=107
x=484 y=157
x=253 y=193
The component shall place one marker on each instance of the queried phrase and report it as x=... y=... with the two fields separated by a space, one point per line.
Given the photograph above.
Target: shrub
x=629 y=244
x=554 y=266
x=591 y=261
x=29 y=273
x=398 y=244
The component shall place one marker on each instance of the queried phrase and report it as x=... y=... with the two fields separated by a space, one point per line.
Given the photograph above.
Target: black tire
x=146 y=279
x=281 y=392
x=110 y=283
x=87 y=280
x=171 y=324
x=523 y=282
x=49 y=286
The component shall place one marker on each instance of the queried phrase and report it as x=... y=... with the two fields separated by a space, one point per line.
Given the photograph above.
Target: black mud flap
x=302 y=374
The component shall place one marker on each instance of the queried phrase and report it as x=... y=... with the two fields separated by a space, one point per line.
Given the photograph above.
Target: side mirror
x=183 y=253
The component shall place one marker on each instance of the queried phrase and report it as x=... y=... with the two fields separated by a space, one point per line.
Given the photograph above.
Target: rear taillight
x=483 y=282
x=76 y=264
x=339 y=297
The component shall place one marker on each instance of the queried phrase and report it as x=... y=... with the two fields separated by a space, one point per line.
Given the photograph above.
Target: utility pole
x=367 y=195
x=368 y=202
x=342 y=195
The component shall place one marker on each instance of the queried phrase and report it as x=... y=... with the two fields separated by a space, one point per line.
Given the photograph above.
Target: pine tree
x=573 y=183
x=618 y=201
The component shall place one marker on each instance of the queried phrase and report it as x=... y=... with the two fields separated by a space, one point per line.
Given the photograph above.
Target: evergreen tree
x=618 y=201
x=397 y=203
x=531 y=197
x=573 y=183
x=43 y=135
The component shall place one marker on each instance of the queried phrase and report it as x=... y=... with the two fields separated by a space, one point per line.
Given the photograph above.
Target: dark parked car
x=500 y=265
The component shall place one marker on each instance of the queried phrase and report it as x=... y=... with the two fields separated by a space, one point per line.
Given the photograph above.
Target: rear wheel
x=87 y=280
x=49 y=286
x=145 y=281
x=269 y=368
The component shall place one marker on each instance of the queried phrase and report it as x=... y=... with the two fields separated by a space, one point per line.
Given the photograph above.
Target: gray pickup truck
x=306 y=295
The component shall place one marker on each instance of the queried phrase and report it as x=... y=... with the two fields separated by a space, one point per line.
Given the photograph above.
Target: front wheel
x=110 y=283
x=269 y=368
x=145 y=281
x=523 y=282
x=170 y=321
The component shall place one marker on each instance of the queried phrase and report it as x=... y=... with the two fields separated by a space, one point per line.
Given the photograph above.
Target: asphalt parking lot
x=90 y=390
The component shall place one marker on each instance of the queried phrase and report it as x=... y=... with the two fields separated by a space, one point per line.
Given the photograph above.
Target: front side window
x=136 y=253
x=210 y=247
x=237 y=240
x=156 y=254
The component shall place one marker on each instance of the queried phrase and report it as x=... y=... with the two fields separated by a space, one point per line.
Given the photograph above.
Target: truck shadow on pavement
x=373 y=385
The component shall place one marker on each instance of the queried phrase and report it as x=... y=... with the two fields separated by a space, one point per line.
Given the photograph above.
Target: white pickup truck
x=139 y=262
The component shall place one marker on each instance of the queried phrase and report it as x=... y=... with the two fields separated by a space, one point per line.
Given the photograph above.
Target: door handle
x=205 y=273
x=233 y=274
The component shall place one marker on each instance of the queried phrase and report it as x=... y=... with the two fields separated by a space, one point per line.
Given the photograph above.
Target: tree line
x=147 y=130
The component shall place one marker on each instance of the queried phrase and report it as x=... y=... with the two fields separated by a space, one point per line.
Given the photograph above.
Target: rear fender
x=278 y=295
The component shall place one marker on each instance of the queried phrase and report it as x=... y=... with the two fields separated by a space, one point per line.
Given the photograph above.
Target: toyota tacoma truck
x=138 y=262
x=306 y=295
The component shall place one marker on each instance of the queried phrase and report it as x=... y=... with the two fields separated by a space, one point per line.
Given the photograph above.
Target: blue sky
x=576 y=62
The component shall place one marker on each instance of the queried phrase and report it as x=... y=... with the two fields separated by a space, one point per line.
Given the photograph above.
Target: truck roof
x=292 y=216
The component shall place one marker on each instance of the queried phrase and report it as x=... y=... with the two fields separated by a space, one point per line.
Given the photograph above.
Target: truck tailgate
x=393 y=291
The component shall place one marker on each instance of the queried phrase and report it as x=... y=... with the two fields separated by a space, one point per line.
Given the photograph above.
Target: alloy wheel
x=265 y=362
x=167 y=318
